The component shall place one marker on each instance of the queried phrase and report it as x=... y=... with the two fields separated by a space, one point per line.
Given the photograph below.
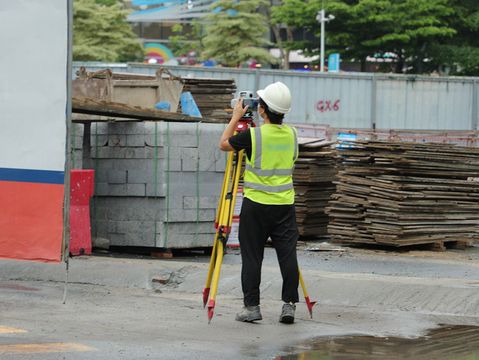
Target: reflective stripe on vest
x=269 y=188
x=261 y=172
x=257 y=158
x=295 y=143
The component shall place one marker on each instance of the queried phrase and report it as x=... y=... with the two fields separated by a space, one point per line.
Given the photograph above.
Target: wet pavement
x=444 y=343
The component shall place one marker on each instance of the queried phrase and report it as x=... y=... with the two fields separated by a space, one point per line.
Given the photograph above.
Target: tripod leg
x=309 y=303
x=214 y=283
x=223 y=230
x=206 y=290
x=221 y=206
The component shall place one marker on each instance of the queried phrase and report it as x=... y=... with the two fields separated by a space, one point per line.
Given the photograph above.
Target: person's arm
x=238 y=113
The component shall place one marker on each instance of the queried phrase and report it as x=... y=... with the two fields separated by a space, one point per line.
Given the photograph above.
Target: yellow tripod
x=223 y=222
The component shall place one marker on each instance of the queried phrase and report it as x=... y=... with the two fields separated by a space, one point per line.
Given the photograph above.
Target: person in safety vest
x=268 y=206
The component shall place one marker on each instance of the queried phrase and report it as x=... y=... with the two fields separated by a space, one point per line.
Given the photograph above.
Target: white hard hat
x=277 y=97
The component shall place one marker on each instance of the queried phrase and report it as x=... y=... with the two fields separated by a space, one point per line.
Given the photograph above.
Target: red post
x=81 y=190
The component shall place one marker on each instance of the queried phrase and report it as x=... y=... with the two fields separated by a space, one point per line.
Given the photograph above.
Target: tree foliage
x=409 y=29
x=236 y=32
x=101 y=33
x=185 y=41
x=289 y=16
x=460 y=55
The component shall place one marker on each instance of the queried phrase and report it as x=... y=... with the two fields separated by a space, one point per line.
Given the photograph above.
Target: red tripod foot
x=206 y=293
x=310 y=305
x=211 y=308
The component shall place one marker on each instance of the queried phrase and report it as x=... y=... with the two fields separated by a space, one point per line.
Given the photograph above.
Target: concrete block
x=220 y=164
x=116 y=177
x=98 y=228
x=154 y=133
x=115 y=140
x=76 y=159
x=135 y=153
x=191 y=228
x=171 y=165
x=98 y=140
x=203 y=202
x=189 y=159
x=76 y=136
x=133 y=226
x=142 y=238
x=154 y=152
x=102 y=167
x=102 y=189
x=99 y=213
x=173 y=152
x=117 y=239
x=114 y=152
x=186 y=140
x=135 y=140
x=131 y=164
x=100 y=152
x=146 y=175
x=158 y=190
x=113 y=227
x=183 y=215
x=174 y=201
x=183 y=241
x=210 y=153
x=105 y=189
x=101 y=175
x=152 y=210
x=150 y=139
x=182 y=128
x=127 y=189
x=182 y=183
x=132 y=128
x=99 y=128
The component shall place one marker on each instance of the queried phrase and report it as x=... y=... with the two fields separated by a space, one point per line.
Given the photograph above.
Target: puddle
x=445 y=343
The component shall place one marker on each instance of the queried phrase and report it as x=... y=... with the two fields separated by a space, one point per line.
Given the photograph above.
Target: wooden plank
x=118 y=110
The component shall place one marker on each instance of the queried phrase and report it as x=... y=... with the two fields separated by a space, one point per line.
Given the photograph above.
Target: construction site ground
x=135 y=307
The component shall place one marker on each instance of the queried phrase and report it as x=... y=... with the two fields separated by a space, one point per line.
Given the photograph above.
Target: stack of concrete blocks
x=156 y=184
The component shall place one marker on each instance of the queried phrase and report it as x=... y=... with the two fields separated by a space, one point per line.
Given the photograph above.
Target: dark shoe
x=249 y=314
x=287 y=313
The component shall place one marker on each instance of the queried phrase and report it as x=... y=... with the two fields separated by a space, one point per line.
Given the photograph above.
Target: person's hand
x=239 y=110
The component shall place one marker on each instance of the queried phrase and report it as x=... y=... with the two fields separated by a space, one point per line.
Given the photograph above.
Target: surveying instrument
x=224 y=212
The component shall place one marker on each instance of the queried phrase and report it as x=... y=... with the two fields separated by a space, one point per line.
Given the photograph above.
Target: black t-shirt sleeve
x=241 y=141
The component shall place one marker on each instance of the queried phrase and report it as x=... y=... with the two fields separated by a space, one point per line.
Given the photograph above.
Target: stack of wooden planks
x=213 y=96
x=399 y=194
x=313 y=177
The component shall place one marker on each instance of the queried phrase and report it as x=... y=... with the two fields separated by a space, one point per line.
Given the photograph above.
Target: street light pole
x=322 y=19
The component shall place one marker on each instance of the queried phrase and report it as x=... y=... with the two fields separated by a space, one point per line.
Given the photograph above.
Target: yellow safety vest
x=268 y=177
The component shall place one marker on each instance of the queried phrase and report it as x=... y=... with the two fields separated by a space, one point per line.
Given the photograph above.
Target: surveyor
x=268 y=206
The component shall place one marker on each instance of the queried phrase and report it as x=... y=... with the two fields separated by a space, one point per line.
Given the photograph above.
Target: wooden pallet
x=401 y=194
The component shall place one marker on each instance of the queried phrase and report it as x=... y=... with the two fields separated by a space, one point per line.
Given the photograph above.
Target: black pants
x=258 y=222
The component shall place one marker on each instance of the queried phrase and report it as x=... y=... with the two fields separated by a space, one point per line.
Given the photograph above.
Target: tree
x=187 y=40
x=460 y=55
x=101 y=33
x=236 y=32
x=289 y=16
x=361 y=28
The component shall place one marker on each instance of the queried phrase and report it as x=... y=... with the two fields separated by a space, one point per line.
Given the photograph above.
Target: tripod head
x=244 y=124
x=248 y=100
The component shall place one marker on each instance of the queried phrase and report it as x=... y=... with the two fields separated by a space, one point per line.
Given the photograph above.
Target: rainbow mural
x=157 y=52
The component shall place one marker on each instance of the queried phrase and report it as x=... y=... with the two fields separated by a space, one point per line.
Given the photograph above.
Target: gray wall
x=352 y=100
